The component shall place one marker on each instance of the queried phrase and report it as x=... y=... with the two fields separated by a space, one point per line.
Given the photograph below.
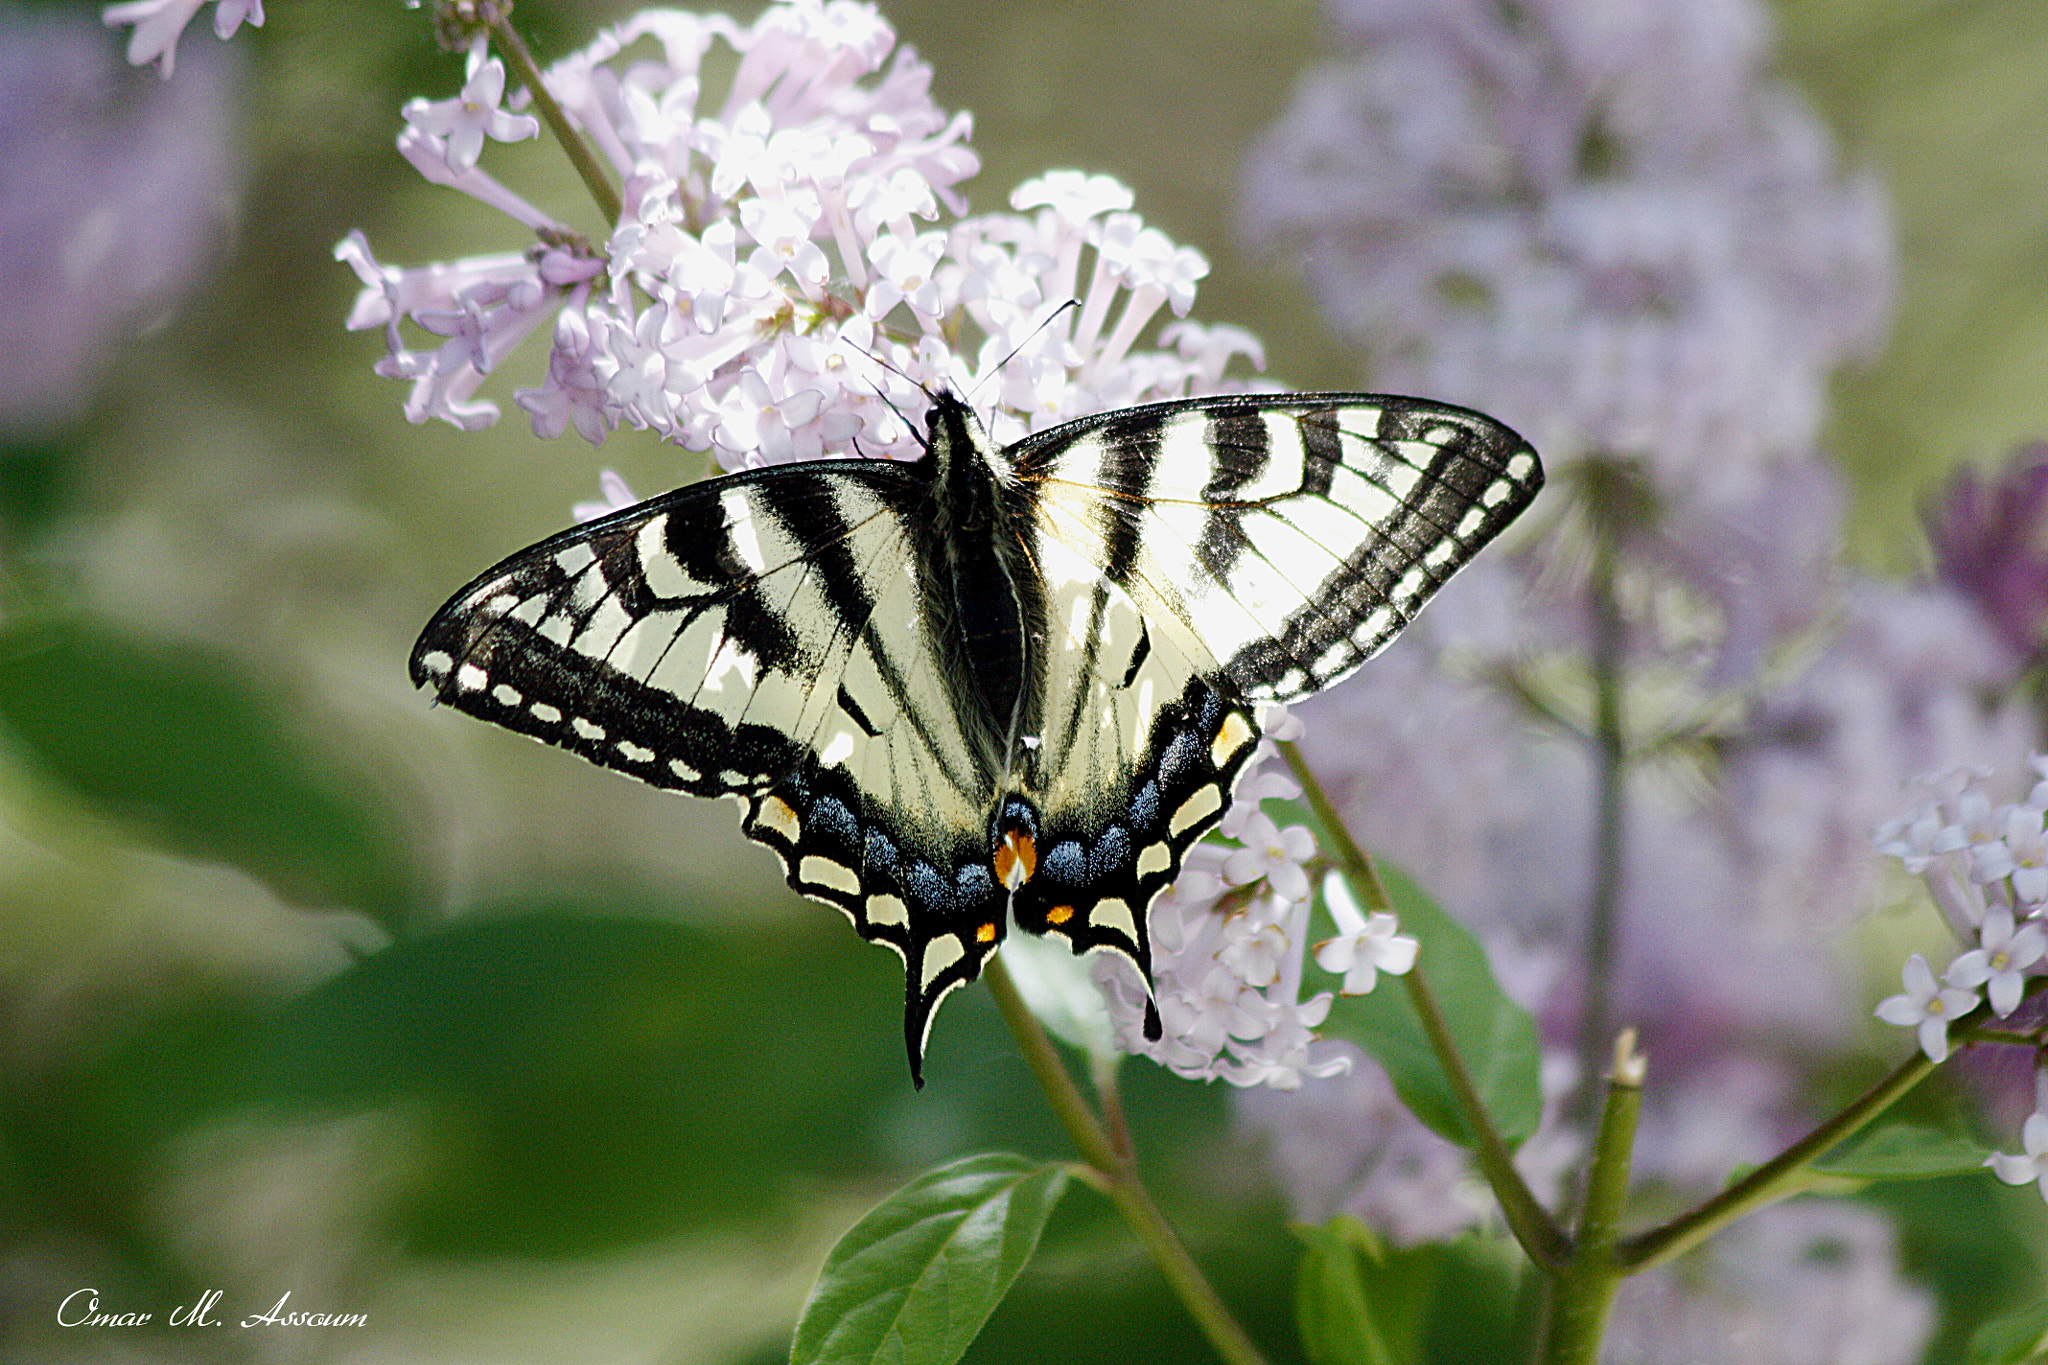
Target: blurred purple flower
x=115 y=189
x=1602 y=223
x=1990 y=541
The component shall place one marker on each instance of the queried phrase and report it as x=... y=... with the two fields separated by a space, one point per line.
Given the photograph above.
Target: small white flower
x=1911 y=839
x=1272 y=853
x=465 y=121
x=1075 y=196
x=2002 y=959
x=2021 y=853
x=1365 y=945
x=2032 y=1163
x=1266 y=783
x=1927 y=1006
x=1254 y=951
x=1972 y=823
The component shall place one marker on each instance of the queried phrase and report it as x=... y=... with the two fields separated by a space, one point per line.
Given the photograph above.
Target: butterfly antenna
x=1050 y=318
x=883 y=394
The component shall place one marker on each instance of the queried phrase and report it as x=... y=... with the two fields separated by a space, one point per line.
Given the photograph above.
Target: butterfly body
x=993 y=685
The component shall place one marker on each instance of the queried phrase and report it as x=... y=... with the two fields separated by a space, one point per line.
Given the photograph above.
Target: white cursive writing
x=277 y=1317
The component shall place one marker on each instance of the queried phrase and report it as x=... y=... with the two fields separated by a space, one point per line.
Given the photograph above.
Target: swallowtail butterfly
x=993 y=685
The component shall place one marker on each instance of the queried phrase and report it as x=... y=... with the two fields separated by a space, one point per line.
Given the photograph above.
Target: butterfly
x=994 y=685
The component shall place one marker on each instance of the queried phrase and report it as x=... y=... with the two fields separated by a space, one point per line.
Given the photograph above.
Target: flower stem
x=1357 y=866
x=1783 y=1175
x=1532 y=1225
x=1603 y=911
x=1119 y=1175
x=498 y=17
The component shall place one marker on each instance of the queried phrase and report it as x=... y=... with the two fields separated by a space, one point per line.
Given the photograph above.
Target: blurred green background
x=611 y=1091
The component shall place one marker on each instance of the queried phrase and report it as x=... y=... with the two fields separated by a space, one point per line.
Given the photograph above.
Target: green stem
x=1776 y=1179
x=508 y=42
x=1044 y=1060
x=1526 y=1217
x=1582 y=1294
x=1119 y=1175
x=1365 y=881
x=1538 y=1233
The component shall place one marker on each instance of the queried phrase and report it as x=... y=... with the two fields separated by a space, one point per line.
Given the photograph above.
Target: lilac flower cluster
x=1230 y=941
x=771 y=291
x=1986 y=868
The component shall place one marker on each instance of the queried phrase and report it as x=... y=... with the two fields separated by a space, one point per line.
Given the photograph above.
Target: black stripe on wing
x=578 y=641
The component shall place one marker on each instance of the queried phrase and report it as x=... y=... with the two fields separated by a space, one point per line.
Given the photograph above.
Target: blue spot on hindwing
x=1111 y=855
x=1066 y=862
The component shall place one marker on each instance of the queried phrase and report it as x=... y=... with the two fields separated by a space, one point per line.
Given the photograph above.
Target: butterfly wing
x=1198 y=558
x=763 y=636
x=1286 y=537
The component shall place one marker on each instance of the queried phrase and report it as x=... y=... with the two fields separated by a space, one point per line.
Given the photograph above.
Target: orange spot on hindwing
x=985 y=934
x=1016 y=859
x=1059 y=914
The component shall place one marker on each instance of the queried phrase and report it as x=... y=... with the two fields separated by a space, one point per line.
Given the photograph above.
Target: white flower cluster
x=771 y=291
x=1229 y=941
x=1986 y=867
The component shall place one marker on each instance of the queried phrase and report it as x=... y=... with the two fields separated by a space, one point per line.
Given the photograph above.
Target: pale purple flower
x=116 y=192
x=2001 y=961
x=464 y=122
x=1911 y=838
x=1987 y=538
x=614 y=496
x=1808 y=1282
x=1274 y=854
x=1975 y=857
x=159 y=23
x=1927 y=1006
x=1365 y=945
x=2019 y=854
x=2031 y=1163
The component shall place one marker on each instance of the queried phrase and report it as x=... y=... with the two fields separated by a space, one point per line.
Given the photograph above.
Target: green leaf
x=1351 y=1306
x=2011 y=1337
x=912 y=1283
x=196 y=752
x=1359 y=1301
x=1495 y=1037
x=1904 y=1151
x=581 y=1071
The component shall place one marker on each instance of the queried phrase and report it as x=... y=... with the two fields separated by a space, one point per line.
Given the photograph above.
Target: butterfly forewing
x=1289 y=536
